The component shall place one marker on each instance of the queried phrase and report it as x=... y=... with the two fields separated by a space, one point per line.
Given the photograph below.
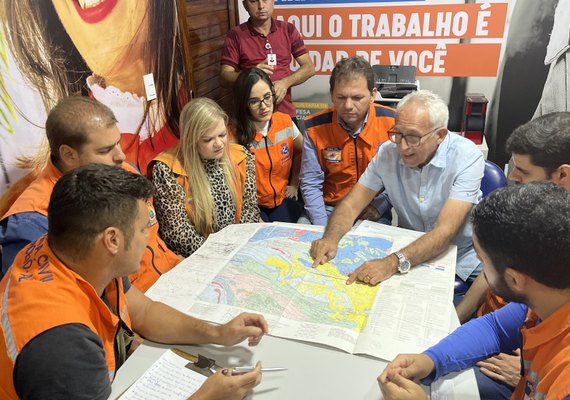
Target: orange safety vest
x=39 y=293
x=492 y=303
x=273 y=160
x=237 y=155
x=342 y=158
x=157 y=258
x=546 y=358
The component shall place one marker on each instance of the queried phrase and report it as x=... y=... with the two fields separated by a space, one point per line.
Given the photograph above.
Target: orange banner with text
x=482 y=20
x=429 y=59
x=438 y=39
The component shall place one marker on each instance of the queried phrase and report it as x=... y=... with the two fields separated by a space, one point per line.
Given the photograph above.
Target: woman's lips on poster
x=93 y=11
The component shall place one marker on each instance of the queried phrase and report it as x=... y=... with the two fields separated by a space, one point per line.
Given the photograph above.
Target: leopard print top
x=175 y=228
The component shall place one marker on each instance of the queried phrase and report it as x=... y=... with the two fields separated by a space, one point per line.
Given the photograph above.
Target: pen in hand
x=251 y=368
x=243 y=370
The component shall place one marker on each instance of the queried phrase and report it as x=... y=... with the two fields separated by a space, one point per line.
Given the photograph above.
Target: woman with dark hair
x=276 y=142
x=65 y=47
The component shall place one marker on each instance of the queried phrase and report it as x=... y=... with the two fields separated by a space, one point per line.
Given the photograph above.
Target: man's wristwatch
x=404 y=264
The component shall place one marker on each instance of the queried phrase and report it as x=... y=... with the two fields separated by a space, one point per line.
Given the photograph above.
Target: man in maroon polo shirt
x=268 y=44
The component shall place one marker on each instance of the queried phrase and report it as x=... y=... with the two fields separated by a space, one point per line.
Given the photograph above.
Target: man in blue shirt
x=522 y=236
x=432 y=178
x=340 y=142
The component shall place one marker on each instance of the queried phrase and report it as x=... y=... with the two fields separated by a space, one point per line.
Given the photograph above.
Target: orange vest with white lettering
x=39 y=293
x=273 y=160
x=157 y=258
x=237 y=155
x=344 y=159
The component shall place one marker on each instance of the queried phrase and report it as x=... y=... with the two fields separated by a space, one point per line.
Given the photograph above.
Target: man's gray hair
x=433 y=104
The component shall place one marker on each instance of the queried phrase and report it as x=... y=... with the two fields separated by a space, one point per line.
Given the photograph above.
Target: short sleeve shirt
x=244 y=47
x=418 y=194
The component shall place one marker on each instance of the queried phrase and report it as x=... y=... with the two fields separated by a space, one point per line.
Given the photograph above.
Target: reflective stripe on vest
x=6 y=327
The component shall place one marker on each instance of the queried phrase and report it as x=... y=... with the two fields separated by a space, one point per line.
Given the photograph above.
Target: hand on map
x=322 y=251
x=374 y=271
x=245 y=326
x=396 y=381
x=228 y=387
x=503 y=367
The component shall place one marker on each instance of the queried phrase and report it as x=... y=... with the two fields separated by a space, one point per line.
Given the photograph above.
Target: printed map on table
x=272 y=274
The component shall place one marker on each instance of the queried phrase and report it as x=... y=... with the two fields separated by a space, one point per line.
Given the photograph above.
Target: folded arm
x=305 y=71
x=494 y=333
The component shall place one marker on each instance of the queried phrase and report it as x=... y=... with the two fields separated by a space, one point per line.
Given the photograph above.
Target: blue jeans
x=385 y=219
x=288 y=211
x=490 y=389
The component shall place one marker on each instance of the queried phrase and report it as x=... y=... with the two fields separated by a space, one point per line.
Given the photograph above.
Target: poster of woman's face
x=57 y=48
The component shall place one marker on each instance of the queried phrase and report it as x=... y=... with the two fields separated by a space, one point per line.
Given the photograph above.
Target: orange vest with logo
x=237 y=155
x=546 y=358
x=39 y=293
x=157 y=258
x=273 y=160
x=342 y=158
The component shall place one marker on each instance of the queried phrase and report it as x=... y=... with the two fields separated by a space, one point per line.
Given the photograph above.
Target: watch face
x=404 y=266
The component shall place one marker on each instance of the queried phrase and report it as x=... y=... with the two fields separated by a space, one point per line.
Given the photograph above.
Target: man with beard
x=540 y=151
x=522 y=235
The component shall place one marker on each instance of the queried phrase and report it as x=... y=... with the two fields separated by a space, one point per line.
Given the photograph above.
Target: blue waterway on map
x=352 y=250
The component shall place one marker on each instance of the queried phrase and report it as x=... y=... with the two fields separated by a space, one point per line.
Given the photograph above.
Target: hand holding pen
x=246 y=369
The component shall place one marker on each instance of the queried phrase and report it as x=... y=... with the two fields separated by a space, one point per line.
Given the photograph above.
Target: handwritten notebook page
x=166 y=379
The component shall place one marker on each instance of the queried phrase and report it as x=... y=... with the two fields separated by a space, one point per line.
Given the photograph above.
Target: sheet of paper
x=166 y=379
x=266 y=268
x=442 y=389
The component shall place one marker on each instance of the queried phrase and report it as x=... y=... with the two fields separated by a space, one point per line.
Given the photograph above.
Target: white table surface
x=314 y=371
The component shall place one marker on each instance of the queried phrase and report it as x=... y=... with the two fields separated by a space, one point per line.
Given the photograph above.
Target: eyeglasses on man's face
x=411 y=140
x=256 y=103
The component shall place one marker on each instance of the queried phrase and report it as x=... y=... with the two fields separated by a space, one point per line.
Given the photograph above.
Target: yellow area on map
x=345 y=302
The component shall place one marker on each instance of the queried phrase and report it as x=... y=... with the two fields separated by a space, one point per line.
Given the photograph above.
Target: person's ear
x=516 y=280
x=373 y=95
x=562 y=176
x=68 y=157
x=440 y=135
x=112 y=240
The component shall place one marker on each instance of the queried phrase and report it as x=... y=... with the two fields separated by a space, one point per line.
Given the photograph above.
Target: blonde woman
x=205 y=183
